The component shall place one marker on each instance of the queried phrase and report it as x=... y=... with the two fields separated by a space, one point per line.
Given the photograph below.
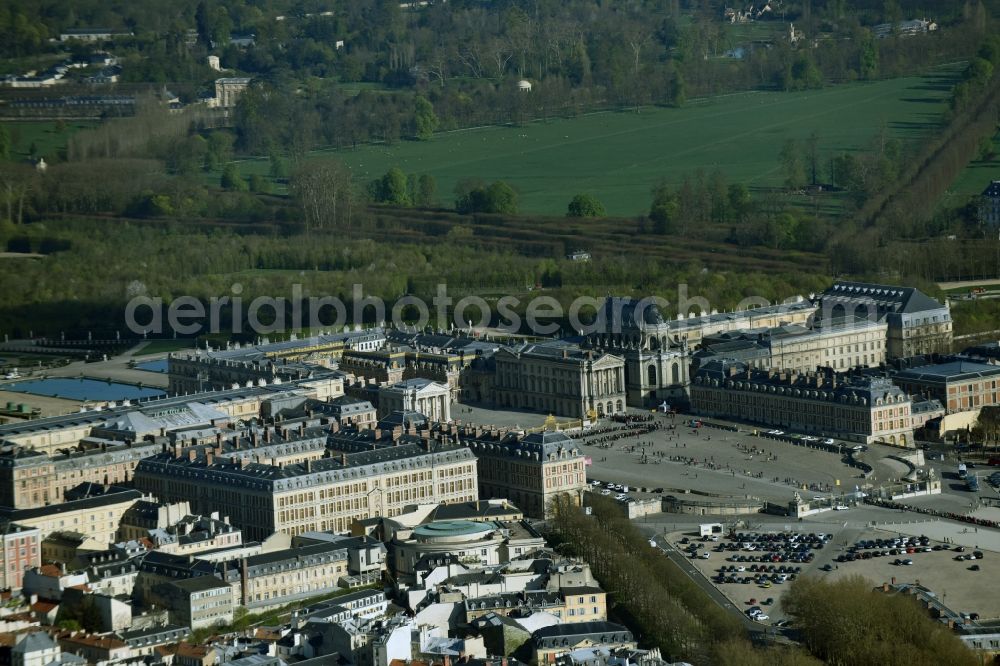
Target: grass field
x=974 y=178
x=619 y=156
x=47 y=139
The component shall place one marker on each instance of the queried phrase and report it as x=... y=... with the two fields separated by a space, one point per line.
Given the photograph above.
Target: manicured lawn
x=620 y=156
x=164 y=346
x=47 y=139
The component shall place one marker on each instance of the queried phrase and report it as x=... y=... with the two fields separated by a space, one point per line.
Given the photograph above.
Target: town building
x=21 y=551
x=841 y=345
x=92 y=512
x=34 y=648
x=317 y=495
x=92 y=34
x=429 y=398
x=350 y=411
x=474 y=544
x=561 y=379
x=549 y=642
x=916 y=323
x=860 y=408
x=960 y=385
x=228 y=91
x=989 y=206
x=530 y=471
x=202 y=601
x=689 y=329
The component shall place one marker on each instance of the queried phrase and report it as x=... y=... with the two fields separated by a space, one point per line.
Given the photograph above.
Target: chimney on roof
x=244 y=462
x=253 y=438
x=209 y=457
x=343 y=459
x=192 y=455
x=308 y=465
x=302 y=429
x=378 y=434
x=267 y=434
x=397 y=432
x=178 y=450
x=218 y=439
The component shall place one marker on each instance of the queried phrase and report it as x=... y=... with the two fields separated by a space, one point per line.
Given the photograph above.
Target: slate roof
x=888 y=298
x=955 y=371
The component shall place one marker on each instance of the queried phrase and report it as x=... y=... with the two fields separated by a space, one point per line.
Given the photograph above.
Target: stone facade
x=560 y=379
x=862 y=408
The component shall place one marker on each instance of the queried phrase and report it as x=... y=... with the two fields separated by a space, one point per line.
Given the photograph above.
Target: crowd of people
x=972 y=520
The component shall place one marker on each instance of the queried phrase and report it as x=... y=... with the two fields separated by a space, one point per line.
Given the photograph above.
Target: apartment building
x=581 y=604
x=21 y=550
x=93 y=512
x=202 y=601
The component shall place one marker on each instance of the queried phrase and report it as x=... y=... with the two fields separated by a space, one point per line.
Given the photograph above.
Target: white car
x=620 y=497
x=761 y=617
x=741 y=568
x=605 y=492
x=705 y=556
x=841 y=507
x=595 y=482
x=828 y=441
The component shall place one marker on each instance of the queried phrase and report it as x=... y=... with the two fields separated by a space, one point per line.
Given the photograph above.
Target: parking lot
x=756 y=567
x=753 y=568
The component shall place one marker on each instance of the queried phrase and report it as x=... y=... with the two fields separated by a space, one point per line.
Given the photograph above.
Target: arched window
x=651 y=375
x=675 y=374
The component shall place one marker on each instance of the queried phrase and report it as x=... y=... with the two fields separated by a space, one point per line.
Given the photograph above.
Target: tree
x=792 y=165
x=232 y=180
x=868 y=66
x=585 y=205
x=259 y=184
x=501 y=199
x=278 y=166
x=323 y=191
x=426 y=190
x=424 y=118
x=392 y=188
x=739 y=201
x=812 y=150
x=664 y=210
x=884 y=628
x=4 y=143
x=472 y=196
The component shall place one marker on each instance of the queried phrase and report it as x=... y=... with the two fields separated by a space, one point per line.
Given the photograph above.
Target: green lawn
x=974 y=178
x=619 y=156
x=47 y=139
x=164 y=346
